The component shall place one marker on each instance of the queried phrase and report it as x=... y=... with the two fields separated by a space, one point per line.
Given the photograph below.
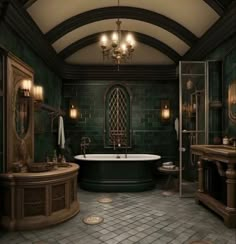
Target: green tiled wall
x=45 y=140
x=227 y=54
x=149 y=134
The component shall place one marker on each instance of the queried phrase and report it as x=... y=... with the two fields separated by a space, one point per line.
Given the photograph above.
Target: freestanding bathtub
x=107 y=173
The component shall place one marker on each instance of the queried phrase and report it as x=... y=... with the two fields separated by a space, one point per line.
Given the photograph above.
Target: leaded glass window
x=117 y=117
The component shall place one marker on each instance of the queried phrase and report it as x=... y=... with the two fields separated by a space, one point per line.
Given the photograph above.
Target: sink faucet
x=85 y=141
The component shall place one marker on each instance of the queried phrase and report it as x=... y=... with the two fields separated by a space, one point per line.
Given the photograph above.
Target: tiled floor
x=147 y=217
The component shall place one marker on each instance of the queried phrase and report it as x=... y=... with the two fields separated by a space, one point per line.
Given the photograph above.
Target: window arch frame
x=128 y=134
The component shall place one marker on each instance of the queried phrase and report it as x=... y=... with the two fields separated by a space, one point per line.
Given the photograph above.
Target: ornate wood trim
x=126 y=72
x=18 y=149
x=148 y=40
x=121 y=12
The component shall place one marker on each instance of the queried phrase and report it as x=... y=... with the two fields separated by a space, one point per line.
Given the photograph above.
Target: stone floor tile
x=140 y=218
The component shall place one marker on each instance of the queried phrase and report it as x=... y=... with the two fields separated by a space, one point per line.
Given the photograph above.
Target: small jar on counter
x=225 y=140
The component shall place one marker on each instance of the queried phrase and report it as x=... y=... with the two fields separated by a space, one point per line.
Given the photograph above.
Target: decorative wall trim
x=148 y=40
x=21 y=23
x=222 y=30
x=126 y=72
x=121 y=12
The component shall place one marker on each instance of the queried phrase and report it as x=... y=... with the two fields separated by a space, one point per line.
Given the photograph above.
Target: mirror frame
x=232 y=95
x=18 y=149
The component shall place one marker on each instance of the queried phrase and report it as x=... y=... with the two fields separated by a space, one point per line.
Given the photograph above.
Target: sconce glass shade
x=38 y=93
x=26 y=87
x=73 y=112
x=165 y=113
x=165 y=110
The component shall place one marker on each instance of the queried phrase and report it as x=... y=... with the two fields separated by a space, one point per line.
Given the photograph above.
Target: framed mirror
x=22 y=109
x=19 y=116
x=232 y=101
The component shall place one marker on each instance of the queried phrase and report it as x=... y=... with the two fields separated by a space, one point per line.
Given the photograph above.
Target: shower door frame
x=206 y=122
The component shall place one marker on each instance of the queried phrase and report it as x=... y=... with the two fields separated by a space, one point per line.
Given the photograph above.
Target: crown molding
x=125 y=72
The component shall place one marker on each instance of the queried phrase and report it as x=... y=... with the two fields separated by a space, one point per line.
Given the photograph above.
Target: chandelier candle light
x=118 y=48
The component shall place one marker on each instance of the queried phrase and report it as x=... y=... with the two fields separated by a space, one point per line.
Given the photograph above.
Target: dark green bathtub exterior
x=116 y=176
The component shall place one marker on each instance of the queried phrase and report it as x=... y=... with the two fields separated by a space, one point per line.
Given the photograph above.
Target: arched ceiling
x=164 y=29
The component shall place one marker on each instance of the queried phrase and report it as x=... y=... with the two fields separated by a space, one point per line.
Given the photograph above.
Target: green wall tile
x=45 y=140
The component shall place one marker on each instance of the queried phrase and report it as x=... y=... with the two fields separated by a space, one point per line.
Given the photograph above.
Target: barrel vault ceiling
x=165 y=30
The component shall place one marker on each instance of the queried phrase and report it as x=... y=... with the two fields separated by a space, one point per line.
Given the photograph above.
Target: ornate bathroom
x=105 y=142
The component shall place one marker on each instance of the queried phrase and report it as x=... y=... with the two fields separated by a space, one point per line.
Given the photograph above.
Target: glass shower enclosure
x=193 y=120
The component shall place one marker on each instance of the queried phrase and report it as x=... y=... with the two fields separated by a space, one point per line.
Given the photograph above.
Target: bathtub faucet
x=117 y=144
x=85 y=141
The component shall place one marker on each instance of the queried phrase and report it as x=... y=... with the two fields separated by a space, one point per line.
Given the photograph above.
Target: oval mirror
x=232 y=101
x=22 y=110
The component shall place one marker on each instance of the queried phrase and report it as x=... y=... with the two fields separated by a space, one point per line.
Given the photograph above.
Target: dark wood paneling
x=125 y=72
x=148 y=40
x=121 y=12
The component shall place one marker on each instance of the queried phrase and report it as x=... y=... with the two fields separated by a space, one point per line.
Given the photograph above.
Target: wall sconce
x=26 y=87
x=73 y=112
x=38 y=94
x=165 y=110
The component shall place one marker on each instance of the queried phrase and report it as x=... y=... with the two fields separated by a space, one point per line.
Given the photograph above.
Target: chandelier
x=119 y=48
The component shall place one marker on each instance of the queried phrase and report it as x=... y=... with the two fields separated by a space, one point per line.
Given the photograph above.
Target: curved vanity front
x=37 y=200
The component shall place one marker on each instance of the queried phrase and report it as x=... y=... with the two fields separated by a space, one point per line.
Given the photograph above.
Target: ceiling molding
x=73 y=73
x=216 y=5
x=121 y=12
x=222 y=30
x=145 y=39
x=22 y=24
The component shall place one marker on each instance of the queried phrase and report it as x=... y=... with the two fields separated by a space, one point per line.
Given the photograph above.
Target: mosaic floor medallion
x=167 y=193
x=200 y=242
x=104 y=200
x=93 y=220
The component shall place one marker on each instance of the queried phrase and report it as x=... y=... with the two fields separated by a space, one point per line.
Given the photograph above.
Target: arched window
x=117 y=117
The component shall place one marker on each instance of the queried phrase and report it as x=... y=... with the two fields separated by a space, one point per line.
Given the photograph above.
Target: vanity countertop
x=222 y=151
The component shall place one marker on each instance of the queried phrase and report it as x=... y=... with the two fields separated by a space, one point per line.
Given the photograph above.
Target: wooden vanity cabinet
x=221 y=160
x=37 y=200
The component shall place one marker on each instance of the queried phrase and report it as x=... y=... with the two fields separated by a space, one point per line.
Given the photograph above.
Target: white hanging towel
x=61 y=133
x=177 y=128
